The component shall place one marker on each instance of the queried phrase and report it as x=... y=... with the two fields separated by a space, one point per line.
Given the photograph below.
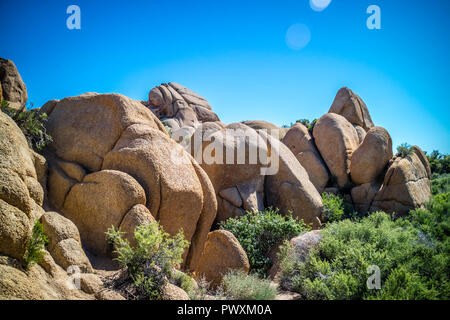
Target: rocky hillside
x=117 y=162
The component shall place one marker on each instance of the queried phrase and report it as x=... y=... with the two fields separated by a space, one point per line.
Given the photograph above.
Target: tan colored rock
x=364 y=194
x=300 y=142
x=86 y=127
x=350 y=106
x=58 y=228
x=232 y=195
x=271 y=129
x=222 y=253
x=35 y=190
x=227 y=210
x=304 y=243
x=107 y=294
x=290 y=189
x=172 y=292
x=143 y=152
x=100 y=202
x=68 y=253
x=71 y=169
x=137 y=216
x=361 y=133
x=15 y=231
x=372 y=156
x=406 y=184
x=14 y=191
x=13 y=89
x=252 y=194
x=90 y=283
x=48 y=107
x=15 y=154
x=171 y=101
x=41 y=167
x=336 y=139
x=59 y=185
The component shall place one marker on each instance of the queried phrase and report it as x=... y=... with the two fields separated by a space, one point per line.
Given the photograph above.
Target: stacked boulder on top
x=347 y=146
x=12 y=88
x=179 y=107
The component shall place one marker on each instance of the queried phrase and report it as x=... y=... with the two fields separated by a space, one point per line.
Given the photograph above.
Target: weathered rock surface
x=137 y=216
x=271 y=129
x=172 y=292
x=364 y=194
x=352 y=107
x=336 y=140
x=131 y=162
x=13 y=89
x=371 y=157
x=290 y=188
x=177 y=106
x=222 y=253
x=300 y=142
x=406 y=184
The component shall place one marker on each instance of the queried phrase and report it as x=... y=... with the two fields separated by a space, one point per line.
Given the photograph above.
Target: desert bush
x=240 y=286
x=404 y=150
x=36 y=246
x=440 y=183
x=259 y=232
x=308 y=124
x=439 y=163
x=151 y=262
x=412 y=254
x=333 y=207
x=32 y=125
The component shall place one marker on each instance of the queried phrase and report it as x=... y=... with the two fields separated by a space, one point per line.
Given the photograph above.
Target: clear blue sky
x=234 y=53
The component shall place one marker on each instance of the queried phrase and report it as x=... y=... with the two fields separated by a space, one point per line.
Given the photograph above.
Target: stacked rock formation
x=358 y=154
x=12 y=88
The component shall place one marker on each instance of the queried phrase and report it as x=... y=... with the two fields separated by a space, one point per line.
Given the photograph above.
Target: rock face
x=371 y=157
x=290 y=188
x=406 y=185
x=110 y=153
x=350 y=106
x=364 y=194
x=177 y=106
x=222 y=253
x=300 y=142
x=272 y=129
x=13 y=90
x=336 y=140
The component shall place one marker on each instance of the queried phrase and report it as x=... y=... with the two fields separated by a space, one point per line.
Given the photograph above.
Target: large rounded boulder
x=349 y=105
x=372 y=156
x=300 y=142
x=406 y=185
x=336 y=140
x=110 y=154
x=13 y=89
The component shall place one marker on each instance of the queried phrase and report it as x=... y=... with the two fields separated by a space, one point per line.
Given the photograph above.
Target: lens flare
x=298 y=36
x=319 y=5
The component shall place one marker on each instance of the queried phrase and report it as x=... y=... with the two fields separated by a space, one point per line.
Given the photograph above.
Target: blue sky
x=234 y=53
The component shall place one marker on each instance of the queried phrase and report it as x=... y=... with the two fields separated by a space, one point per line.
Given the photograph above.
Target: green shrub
x=36 y=246
x=32 y=125
x=240 y=286
x=412 y=254
x=150 y=263
x=404 y=150
x=185 y=282
x=440 y=183
x=308 y=124
x=259 y=232
x=439 y=163
x=333 y=207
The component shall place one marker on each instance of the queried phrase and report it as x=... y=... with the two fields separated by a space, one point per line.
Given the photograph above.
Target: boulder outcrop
x=13 y=89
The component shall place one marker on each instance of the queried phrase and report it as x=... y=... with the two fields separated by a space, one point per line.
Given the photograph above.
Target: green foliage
x=440 y=183
x=259 y=232
x=185 y=282
x=308 y=124
x=240 y=286
x=150 y=263
x=32 y=125
x=36 y=246
x=412 y=254
x=404 y=150
x=439 y=163
x=333 y=207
